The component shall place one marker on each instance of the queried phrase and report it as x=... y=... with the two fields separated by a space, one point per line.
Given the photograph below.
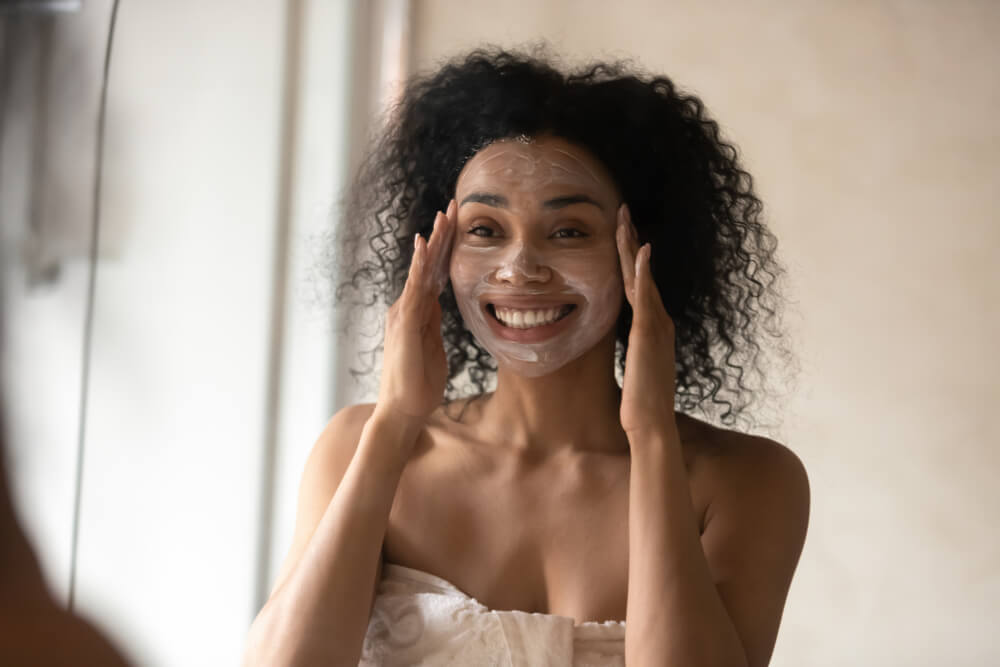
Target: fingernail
x=642 y=258
x=451 y=208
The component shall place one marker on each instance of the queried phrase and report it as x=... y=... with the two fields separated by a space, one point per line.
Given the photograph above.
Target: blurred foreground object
x=34 y=629
x=41 y=6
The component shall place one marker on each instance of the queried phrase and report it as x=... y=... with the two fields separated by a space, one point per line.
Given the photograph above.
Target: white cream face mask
x=538 y=286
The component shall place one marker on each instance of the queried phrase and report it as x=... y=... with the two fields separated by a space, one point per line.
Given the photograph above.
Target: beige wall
x=871 y=130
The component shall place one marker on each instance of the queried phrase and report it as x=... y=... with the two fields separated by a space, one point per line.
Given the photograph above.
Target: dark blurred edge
x=40 y=6
x=34 y=628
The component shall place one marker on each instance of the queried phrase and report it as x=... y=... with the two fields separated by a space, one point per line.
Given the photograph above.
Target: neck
x=576 y=407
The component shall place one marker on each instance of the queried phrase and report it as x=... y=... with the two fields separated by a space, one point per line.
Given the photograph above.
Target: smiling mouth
x=525 y=318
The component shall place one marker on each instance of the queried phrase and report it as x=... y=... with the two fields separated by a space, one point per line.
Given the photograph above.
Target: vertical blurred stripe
x=88 y=327
x=282 y=223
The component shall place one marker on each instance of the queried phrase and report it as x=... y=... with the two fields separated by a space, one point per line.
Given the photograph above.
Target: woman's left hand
x=648 y=393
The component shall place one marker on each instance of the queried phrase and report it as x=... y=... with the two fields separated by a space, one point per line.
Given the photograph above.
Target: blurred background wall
x=210 y=367
x=213 y=363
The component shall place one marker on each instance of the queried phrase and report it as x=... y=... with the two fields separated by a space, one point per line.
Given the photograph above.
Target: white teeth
x=527 y=319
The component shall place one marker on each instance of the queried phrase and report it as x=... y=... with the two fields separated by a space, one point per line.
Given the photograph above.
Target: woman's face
x=535 y=266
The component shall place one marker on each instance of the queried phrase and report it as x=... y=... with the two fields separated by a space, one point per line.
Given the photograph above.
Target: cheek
x=597 y=272
x=598 y=279
x=605 y=299
x=467 y=270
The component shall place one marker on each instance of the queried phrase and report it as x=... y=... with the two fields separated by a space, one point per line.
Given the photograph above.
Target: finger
x=653 y=299
x=410 y=299
x=621 y=243
x=626 y=254
x=446 y=230
x=413 y=274
x=440 y=248
x=632 y=236
x=433 y=243
x=452 y=215
x=654 y=313
x=452 y=209
x=643 y=285
x=434 y=240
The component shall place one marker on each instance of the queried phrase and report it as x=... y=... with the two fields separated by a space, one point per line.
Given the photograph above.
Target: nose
x=523 y=267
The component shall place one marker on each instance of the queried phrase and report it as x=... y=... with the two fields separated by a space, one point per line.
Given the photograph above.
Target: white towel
x=421 y=619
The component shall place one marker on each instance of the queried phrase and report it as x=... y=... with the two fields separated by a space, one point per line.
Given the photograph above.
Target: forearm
x=674 y=614
x=320 y=614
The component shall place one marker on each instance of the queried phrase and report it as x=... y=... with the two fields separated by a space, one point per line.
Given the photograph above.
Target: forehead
x=535 y=164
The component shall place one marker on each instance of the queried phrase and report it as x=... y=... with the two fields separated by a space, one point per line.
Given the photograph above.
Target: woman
x=558 y=519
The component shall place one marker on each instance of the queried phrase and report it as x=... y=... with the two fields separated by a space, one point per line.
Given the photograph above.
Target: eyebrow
x=499 y=201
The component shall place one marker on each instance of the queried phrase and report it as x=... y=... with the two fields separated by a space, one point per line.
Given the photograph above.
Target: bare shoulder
x=737 y=461
x=755 y=526
x=757 y=491
x=325 y=467
x=352 y=417
x=335 y=446
x=766 y=465
x=332 y=452
x=742 y=479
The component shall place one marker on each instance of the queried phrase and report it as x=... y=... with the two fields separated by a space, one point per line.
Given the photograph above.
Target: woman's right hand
x=414 y=366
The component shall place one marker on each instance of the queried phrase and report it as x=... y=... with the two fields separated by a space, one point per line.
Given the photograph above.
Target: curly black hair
x=713 y=259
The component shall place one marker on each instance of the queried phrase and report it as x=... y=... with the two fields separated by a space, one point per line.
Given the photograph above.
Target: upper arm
x=755 y=529
x=325 y=467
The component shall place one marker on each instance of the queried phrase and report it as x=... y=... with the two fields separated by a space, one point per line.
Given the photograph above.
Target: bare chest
x=551 y=538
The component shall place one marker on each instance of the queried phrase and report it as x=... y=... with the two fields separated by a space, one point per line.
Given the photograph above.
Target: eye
x=568 y=233
x=480 y=230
